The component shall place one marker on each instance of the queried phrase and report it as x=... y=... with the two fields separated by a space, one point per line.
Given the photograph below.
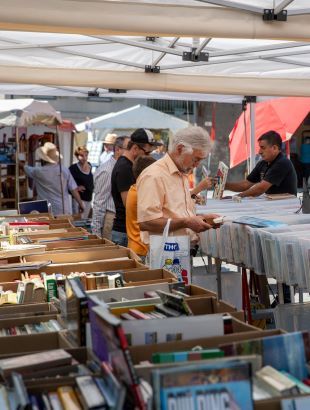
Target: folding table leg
x=246 y=296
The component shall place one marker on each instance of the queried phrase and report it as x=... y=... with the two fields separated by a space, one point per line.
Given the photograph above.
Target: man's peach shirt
x=163 y=191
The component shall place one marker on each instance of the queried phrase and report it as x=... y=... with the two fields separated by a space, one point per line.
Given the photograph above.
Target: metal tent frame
x=183 y=49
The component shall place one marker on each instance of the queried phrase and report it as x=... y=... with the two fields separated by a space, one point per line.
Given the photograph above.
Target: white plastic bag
x=172 y=253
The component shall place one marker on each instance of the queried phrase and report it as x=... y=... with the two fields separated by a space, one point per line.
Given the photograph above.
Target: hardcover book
x=109 y=342
x=225 y=385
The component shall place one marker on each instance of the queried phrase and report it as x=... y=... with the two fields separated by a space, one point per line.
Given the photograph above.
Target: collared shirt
x=103 y=200
x=47 y=183
x=105 y=156
x=163 y=191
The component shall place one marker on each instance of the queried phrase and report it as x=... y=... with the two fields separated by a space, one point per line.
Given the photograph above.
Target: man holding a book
x=163 y=189
x=274 y=174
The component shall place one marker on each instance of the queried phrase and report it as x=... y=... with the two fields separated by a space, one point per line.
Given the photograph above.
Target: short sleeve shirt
x=47 y=183
x=163 y=191
x=121 y=180
x=280 y=173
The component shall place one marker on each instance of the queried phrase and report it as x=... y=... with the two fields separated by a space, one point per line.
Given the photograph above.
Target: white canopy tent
x=23 y=113
x=176 y=48
x=116 y=46
x=139 y=116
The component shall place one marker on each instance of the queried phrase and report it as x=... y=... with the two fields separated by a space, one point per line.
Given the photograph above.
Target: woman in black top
x=81 y=172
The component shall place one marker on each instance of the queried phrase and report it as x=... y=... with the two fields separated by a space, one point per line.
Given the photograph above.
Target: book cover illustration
x=283 y=352
x=225 y=385
x=221 y=175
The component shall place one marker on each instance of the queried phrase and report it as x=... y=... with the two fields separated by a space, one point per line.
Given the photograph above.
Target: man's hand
x=197 y=224
x=81 y=188
x=209 y=219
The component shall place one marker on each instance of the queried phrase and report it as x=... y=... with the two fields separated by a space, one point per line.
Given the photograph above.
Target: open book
x=221 y=175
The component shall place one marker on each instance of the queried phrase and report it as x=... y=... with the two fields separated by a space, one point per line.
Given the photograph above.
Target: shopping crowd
x=138 y=187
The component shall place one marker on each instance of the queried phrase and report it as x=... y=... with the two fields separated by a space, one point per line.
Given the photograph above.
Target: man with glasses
x=163 y=188
x=103 y=204
x=141 y=142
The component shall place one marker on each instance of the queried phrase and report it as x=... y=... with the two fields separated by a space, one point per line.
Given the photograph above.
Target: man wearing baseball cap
x=141 y=142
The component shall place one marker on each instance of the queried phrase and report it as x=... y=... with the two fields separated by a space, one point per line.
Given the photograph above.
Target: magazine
x=224 y=385
x=258 y=222
x=221 y=175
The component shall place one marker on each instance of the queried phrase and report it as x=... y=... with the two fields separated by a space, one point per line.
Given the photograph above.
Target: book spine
x=68 y=398
x=135 y=380
x=137 y=314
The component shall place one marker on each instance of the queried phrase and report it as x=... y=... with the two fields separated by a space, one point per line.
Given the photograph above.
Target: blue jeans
x=119 y=238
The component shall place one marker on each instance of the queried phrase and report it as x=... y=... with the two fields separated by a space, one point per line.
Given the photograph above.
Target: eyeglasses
x=145 y=152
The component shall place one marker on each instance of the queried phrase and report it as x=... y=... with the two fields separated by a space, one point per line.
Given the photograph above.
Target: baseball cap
x=144 y=136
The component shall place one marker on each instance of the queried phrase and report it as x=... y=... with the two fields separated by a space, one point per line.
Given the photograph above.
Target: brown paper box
x=92 y=241
x=65 y=269
x=13 y=345
x=28 y=319
x=197 y=291
x=241 y=331
x=83 y=255
x=208 y=305
x=28 y=309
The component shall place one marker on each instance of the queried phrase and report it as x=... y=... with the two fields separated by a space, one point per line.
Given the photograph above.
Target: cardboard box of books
x=197 y=291
x=209 y=305
x=13 y=345
x=57 y=234
x=241 y=331
x=84 y=255
x=66 y=268
x=102 y=266
x=148 y=275
x=29 y=324
x=79 y=389
x=130 y=293
x=29 y=310
x=158 y=323
x=88 y=241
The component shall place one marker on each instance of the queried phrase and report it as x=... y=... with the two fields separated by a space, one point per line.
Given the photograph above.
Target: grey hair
x=191 y=138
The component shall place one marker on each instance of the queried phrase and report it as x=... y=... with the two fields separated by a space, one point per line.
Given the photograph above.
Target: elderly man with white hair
x=163 y=188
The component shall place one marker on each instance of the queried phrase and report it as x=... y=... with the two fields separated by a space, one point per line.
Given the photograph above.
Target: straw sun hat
x=48 y=153
x=110 y=139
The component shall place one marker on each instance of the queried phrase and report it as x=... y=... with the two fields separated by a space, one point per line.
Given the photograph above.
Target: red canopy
x=283 y=115
x=67 y=126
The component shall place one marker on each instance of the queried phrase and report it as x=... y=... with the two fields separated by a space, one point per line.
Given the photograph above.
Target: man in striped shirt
x=103 y=204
